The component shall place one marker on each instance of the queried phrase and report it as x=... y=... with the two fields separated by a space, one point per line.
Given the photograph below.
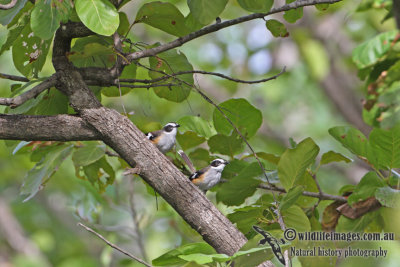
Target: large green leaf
x=352 y=139
x=332 y=156
x=171 y=62
x=291 y=197
x=93 y=51
x=172 y=257
x=89 y=153
x=29 y=52
x=6 y=16
x=243 y=115
x=259 y=6
x=386 y=146
x=294 y=217
x=205 y=11
x=100 y=173
x=294 y=162
x=164 y=16
x=245 y=217
x=373 y=50
x=189 y=139
x=366 y=188
x=198 y=125
x=226 y=145
x=100 y=16
x=45 y=19
x=388 y=197
x=52 y=103
x=237 y=189
x=43 y=170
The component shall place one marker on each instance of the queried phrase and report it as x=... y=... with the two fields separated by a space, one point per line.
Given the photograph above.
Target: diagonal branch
x=9 y=5
x=215 y=27
x=206 y=73
x=13 y=77
x=14 y=102
x=114 y=246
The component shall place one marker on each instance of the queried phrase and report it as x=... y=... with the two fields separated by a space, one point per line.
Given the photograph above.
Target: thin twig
x=321 y=196
x=14 y=102
x=9 y=5
x=13 y=77
x=318 y=187
x=149 y=86
x=215 y=27
x=114 y=246
x=206 y=73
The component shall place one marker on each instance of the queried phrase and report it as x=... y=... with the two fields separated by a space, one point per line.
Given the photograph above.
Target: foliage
x=296 y=169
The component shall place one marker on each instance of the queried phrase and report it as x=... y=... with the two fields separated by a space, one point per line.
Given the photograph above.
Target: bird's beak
x=177 y=125
x=226 y=162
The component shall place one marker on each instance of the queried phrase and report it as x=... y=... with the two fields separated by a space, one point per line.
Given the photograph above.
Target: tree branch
x=9 y=5
x=206 y=73
x=396 y=12
x=320 y=195
x=114 y=246
x=14 y=102
x=45 y=128
x=13 y=77
x=215 y=27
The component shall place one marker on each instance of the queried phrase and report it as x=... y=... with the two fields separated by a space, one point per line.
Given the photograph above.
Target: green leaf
x=332 y=156
x=52 y=103
x=192 y=24
x=6 y=16
x=45 y=19
x=89 y=153
x=356 y=225
x=198 y=125
x=243 y=115
x=352 y=139
x=189 y=139
x=200 y=258
x=293 y=15
x=388 y=197
x=322 y=7
x=294 y=162
x=386 y=146
x=245 y=217
x=237 y=189
x=366 y=188
x=124 y=24
x=29 y=52
x=201 y=158
x=308 y=184
x=41 y=173
x=100 y=173
x=294 y=217
x=172 y=61
x=205 y=11
x=100 y=16
x=172 y=257
x=15 y=31
x=234 y=167
x=277 y=28
x=373 y=50
x=291 y=197
x=274 y=159
x=93 y=51
x=226 y=145
x=164 y=16
x=259 y=6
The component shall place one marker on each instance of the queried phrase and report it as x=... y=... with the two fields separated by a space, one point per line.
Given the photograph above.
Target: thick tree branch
x=14 y=102
x=320 y=195
x=114 y=246
x=9 y=5
x=215 y=27
x=45 y=128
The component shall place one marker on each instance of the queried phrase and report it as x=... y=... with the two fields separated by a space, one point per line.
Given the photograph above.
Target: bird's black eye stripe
x=168 y=128
x=215 y=163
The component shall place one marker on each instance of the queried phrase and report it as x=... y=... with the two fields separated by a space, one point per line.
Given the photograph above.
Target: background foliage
x=293 y=122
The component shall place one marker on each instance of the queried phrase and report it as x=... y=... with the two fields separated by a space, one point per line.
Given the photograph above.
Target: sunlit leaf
x=332 y=156
x=259 y=6
x=277 y=28
x=388 y=197
x=89 y=153
x=205 y=11
x=366 y=188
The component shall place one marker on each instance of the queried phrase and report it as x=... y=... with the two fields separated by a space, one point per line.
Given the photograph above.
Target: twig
x=14 y=102
x=319 y=189
x=148 y=86
x=321 y=196
x=206 y=73
x=13 y=77
x=114 y=246
x=215 y=27
x=9 y=5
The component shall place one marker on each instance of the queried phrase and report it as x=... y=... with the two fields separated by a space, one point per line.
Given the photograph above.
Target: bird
x=165 y=138
x=210 y=175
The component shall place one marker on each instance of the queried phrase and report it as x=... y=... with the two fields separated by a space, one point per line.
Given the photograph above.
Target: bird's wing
x=198 y=176
x=153 y=136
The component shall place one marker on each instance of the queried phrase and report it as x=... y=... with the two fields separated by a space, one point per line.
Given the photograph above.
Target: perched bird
x=210 y=175
x=165 y=138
